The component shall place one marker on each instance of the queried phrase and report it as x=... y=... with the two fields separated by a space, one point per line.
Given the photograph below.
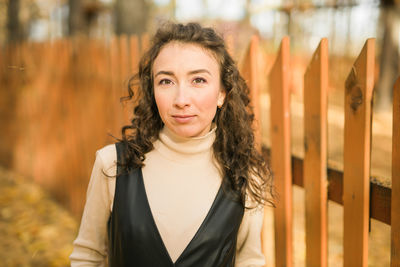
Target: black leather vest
x=134 y=239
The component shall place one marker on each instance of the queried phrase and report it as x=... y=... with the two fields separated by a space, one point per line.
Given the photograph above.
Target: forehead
x=178 y=55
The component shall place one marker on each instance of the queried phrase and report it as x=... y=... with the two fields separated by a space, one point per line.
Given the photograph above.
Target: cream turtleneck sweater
x=181 y=180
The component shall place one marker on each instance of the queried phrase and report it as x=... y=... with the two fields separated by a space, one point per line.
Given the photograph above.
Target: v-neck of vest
x=198 y=232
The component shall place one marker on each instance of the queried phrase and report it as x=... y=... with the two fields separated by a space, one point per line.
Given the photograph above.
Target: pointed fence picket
x=356 y=159
x=133 y=53
x=144 y=42
x=315 y=156
x=280 y=153
x=395 y=212
x=250 y=73
x=230 y=44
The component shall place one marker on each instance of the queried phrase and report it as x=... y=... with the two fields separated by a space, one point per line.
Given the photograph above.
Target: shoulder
x=107 y=156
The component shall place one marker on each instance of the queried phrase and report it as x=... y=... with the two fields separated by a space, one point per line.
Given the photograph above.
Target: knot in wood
x=305 y=145
x=353 y=90
x=356 y=98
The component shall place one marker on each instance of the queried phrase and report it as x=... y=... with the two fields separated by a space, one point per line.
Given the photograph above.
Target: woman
x=185 y=185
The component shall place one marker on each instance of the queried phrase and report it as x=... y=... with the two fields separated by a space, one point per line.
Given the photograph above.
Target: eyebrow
x=190 y=72
x=164 y=72
x=199 y=71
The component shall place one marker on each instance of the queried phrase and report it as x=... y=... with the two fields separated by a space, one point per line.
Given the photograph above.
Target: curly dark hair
x=243 y=168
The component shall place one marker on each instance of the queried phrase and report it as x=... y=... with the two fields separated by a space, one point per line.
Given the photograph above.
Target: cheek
x=162 y=103
x=208 y=103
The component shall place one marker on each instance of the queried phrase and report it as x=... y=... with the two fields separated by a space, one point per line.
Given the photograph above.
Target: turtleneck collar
x=174 y=146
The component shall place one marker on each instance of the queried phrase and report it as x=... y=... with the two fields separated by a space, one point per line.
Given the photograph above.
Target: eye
x=199 y=80
x=165 y=82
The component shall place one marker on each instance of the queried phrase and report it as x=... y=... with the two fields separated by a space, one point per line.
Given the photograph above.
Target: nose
x=182 y=98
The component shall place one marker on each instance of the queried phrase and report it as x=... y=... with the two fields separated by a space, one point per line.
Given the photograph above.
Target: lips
x=183 y=118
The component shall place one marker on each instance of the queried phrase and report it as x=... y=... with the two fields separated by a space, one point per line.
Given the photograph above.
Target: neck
x=174 y=146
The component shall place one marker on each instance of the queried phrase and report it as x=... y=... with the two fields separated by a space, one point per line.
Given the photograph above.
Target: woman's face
x=187 y=88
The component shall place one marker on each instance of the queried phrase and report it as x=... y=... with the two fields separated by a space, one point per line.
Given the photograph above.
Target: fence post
x=116 y=83
x=144 y=43
x=134 y=53
x=230 y=45
x=356 y=159
x=250 y=73
x=280 y=153
x=395 y=214
x=123 y=58
x=314 y=170
x=114 y=64
x=124 y=62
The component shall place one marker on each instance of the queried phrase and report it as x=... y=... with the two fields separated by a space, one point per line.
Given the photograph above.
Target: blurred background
x=64 y=64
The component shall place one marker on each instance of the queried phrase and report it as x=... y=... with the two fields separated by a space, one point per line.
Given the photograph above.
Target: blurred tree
x=173 y=9
x=11 y=79
x=247 y=12
x=84 y=16
x=13 y=21
x=76 y=20
x=389 y=56
x=131 y=17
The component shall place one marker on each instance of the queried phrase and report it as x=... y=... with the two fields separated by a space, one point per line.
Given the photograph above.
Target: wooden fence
x=63 y=98
x=361 y=197
x=59 y=102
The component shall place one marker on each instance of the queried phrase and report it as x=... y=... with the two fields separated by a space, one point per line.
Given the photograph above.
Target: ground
x=34 y=229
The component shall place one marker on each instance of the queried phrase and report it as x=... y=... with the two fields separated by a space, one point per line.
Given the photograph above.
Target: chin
x=188 y=133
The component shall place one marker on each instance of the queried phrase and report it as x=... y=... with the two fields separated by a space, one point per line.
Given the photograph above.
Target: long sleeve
x=90 y=246
x=249 y=252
